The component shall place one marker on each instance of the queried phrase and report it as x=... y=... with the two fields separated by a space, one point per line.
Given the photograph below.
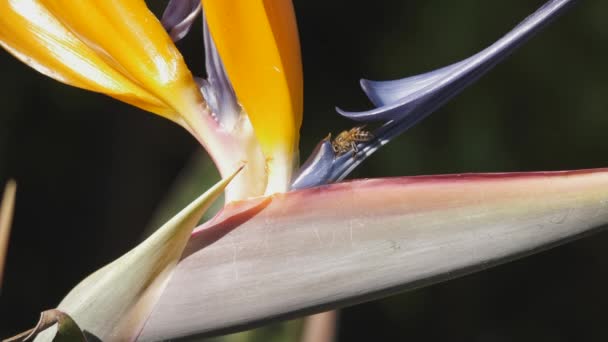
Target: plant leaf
x=113 y=303
x=322 y=248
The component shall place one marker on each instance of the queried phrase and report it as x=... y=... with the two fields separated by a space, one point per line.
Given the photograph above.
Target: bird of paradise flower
x=263 y=256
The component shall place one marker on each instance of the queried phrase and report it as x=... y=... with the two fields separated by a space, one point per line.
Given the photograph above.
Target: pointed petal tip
x=398 y=98
x=368 y=87
x=114 y=302
x=384 y=113
x=238 y=170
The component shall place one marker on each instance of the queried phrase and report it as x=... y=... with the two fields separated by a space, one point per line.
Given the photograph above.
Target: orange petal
x=259 y=46
x=114 y=47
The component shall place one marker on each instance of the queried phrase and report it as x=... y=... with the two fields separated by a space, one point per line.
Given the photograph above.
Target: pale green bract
x=113 y=303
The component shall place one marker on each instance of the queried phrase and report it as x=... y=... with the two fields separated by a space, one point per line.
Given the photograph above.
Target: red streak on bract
x=385 y=195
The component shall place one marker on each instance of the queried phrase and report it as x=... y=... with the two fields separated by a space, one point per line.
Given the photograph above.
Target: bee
x=347 y=140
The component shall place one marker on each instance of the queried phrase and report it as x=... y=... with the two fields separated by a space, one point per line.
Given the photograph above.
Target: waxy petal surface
x=326 y=247
x=259 y=46
x=114 y=47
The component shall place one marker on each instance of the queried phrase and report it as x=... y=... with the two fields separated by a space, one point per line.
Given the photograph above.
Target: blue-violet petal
x=317 y=168
x=405 y=102
x=178 y=17
x=217 y=89
x=427 y=92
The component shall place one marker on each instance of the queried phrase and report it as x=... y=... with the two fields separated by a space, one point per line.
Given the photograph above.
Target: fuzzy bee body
x=347 y=141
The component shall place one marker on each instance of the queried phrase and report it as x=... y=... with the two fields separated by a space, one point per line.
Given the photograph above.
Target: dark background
x=92 y=171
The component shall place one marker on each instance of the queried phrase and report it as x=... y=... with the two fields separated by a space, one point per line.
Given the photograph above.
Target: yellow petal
x=259 y=46
x=114 y=47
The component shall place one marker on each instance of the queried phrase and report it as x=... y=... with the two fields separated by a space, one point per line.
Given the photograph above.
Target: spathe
x=327 y=247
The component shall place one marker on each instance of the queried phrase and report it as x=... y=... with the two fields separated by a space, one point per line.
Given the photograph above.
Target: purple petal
x=217 y=89
x=427 y=92
x=316 y=249
x=317 y=168
x=403 y=103
x=386 y=92
x=179 y=16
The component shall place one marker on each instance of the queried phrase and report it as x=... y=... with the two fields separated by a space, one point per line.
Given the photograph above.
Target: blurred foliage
x=277 y=332
x=93 y=172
